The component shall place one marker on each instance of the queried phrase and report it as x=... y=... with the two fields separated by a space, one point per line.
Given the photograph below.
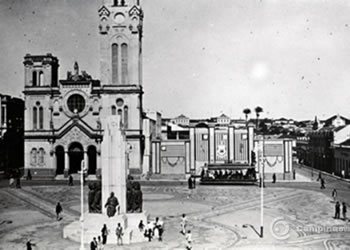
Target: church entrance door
x=59 y=160
x=76 y=155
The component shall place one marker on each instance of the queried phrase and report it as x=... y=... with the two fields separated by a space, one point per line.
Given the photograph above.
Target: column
x=231 y=135
x=250 y=143
x=86 y=160
x=66 y=162
x=191 y=151
x=211 y=145
x=98 y=159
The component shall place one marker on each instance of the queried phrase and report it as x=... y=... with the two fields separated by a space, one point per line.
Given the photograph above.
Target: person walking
x=104 y=233
x=337 y=210
x=141 y=226
x=29 y=175
x=183 y=224
x=149 y=231
x=119 y=233
x=189 y=240
x=344 y=211
x=58 y=211
x=70 y=180
x=29 y=245
x=274 y=178
x=93 y=244
x=322 y=183
x=99 y=243
x=334 y=194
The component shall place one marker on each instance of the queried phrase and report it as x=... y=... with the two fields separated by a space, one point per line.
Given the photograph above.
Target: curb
x=325 y=173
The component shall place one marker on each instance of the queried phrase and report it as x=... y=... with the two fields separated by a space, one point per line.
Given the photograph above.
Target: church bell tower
x=120 y=33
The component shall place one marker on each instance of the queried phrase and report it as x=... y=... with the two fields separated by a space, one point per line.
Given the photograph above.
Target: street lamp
x=262 y=170
x=82 y=170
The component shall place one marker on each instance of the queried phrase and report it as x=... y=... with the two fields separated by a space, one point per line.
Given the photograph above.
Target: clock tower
x=120 y=33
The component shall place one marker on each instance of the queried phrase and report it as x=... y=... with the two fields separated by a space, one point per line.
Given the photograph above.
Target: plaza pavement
x=221 y=217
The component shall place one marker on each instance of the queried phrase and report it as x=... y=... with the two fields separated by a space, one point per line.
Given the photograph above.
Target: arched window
x=41 y=118
x=114 y=110
x=33 y=154
x=124 y=63
x=34 y=79
x=35 y=117
x=41 y=156
x=126 y=117
x=115 y=63
x=41 y=78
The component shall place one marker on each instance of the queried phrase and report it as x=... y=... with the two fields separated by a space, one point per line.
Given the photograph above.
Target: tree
x=246 y=111
x=258 y=110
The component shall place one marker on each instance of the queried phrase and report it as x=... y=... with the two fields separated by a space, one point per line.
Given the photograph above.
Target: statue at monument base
x=94 y=197
x=134 y=197
x=112 y=205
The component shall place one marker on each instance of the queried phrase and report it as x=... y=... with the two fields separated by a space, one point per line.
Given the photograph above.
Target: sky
x=201 y=58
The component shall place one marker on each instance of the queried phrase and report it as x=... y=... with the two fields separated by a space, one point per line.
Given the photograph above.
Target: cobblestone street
x=220 y=217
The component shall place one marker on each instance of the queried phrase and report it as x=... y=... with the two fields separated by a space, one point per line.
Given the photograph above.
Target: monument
x=107 y=201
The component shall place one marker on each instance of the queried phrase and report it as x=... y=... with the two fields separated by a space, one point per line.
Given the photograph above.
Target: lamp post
x=82 y=169
x=262 y=170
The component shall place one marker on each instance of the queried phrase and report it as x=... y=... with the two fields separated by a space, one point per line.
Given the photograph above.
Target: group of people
x=153 y=229
x=101 y=240
x=337 y=206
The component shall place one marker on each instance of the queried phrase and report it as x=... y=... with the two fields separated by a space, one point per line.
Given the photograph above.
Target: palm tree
x=246 y=111
x=258 y=110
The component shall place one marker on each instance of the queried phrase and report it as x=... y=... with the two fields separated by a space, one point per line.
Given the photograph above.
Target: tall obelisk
x=113 y=155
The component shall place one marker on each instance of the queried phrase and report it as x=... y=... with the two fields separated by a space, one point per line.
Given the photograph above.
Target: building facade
x=64 y=119
x=11 y=133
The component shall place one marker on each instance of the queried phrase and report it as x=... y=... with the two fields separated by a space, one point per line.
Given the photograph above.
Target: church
x=64 y=119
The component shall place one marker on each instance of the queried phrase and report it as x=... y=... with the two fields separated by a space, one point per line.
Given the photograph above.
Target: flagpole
x=82 y=206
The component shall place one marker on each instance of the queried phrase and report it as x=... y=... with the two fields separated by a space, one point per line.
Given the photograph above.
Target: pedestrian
x=158 y=229
x=334 y=194
x=70 y=180
x=149 y=231
x=337 y=210
x=343 y=174
x=183 y=224
x=189 y=240
x=293 y=174
x=319 y=176
x=322 y=183
x=11 y=182
x=274 y=178
x=58 y=211
x=18 y=182
x=189 y=182
x=99 y=243
x=141 y=226
x=104 y=233
x=29 y=175
x=29 y=245
x=93 y=244
x=344 y=211
x=119 y=233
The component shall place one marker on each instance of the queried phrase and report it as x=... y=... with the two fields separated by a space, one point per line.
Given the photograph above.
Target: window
x=35 y=116
x=34 y=78
x=124 y=63
x=33 y=156
x=41 y=79
x=120 y=102
x=41 y=118
x=115 y=63
x=41 y=157
x=3 y=114
x=126 y=117
x=114 y=110
x=76 y=103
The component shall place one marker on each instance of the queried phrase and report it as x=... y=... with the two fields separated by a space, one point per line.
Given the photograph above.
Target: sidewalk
x=316 y=171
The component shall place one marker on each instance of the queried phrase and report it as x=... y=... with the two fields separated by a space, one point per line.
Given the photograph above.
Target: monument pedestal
x=93 y=224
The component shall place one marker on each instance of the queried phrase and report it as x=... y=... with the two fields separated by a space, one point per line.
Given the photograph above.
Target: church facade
x=64 y=119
